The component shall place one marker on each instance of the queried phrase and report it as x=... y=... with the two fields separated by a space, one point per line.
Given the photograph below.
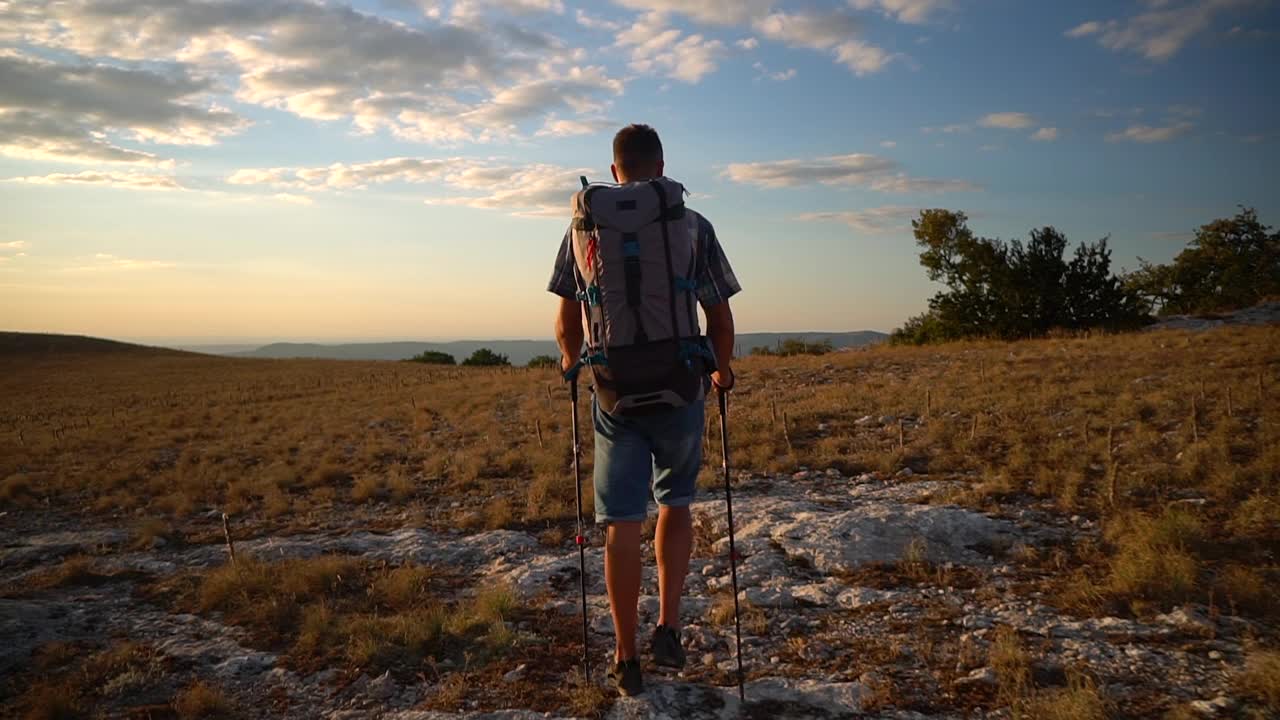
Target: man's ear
x=661 y=169
x=613 y=168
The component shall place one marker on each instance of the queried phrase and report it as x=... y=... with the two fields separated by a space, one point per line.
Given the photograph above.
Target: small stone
x=516 y=674
x=382 y=687
x=1215 y=655
x=979 y=676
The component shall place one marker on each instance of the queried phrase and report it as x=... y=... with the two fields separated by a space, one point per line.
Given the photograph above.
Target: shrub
x=543 y=361
x=484 y=357
x=433 y=357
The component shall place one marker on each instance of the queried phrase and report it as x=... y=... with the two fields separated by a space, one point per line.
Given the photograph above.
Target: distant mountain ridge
x=521 y=351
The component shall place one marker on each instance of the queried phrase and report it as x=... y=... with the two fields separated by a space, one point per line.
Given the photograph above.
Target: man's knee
x=622 y=535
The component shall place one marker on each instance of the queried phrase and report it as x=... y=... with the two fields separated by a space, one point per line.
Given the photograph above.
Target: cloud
x=566 y=128
x=595 y=23
x=1150 y=134
x=833 y=31
x=748 y=43
x=1007 y=120
x=293 y=199
x=526 y=191
x=658 y=48
x=905 y=11
x=710 y=12
x=106 y=262
x=14 y=245
x=763 y=73
x=125 y=180
x=889 y=144
x=876 y=220
x=431 y=81
x=953 y=129
x=529 y=190
x=1162 y=30
x=1045 y=134
x=81 y=112
x=858 y=169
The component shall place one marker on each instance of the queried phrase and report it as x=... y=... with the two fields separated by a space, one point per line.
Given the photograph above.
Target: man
x=654 y=454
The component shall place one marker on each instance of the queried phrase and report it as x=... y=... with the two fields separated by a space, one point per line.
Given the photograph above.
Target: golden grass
x=1260 y=680
x=331 y=609
x=1101 y=426
x=202 y=701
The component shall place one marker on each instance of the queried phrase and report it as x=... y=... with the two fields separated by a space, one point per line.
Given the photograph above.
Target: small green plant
x=484 y=357
x=433 y=357
x=543 y=361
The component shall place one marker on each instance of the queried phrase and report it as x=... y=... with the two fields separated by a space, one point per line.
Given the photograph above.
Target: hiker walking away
x=631 y=271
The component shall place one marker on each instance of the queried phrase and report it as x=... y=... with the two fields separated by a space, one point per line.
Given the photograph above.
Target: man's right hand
x=723 y=379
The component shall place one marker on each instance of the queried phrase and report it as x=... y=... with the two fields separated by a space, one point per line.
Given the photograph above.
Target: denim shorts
x=643 y=456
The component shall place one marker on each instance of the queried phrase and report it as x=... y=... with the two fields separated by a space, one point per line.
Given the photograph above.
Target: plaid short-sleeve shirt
x=715 y=279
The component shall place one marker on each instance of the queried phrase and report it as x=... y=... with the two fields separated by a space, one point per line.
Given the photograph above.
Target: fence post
x=231 y=548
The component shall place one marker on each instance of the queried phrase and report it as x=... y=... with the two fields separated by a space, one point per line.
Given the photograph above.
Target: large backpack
x=636 y=251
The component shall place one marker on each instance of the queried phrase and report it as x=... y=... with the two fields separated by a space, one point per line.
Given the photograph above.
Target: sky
x=254 y=170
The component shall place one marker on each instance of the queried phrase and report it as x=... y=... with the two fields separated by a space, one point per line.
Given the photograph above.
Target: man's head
x=637 y=154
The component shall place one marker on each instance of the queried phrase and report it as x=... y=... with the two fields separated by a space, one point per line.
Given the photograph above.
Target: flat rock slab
x=772 y=699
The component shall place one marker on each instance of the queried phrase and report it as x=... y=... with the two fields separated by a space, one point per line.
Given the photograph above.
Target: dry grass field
x=1167 y=441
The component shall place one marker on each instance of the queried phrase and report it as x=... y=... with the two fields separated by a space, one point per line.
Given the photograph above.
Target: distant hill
x=13 y=344
x=519 y=351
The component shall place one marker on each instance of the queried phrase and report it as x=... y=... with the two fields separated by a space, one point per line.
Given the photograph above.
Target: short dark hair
x=637 y=149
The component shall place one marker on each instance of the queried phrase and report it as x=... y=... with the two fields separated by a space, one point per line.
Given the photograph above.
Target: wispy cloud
x=124 y=180
x=1007 y=120
x=656 y=47
x=1045 y=134
x=1162 y=30
x=14 y=245
x=890 y=218
x=859 y=169
x=102 y=262
x=1151 y=134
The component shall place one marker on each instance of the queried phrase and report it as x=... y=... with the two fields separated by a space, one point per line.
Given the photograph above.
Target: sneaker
x=667 y=650
x=625 y=675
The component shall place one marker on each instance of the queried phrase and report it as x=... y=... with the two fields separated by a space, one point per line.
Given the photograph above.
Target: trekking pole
x=733 y=551
x=579 y=538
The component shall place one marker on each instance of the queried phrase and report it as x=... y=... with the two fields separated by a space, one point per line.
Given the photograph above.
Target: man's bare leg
x=622 y=579
x=673 y=542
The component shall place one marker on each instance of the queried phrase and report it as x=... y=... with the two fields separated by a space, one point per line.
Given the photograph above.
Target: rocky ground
x=865 y=596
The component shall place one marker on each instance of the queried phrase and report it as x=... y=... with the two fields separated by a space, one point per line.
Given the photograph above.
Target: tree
x=484 y=357
x=433 y=357
x=1231 y=263
x=543 y=361
x=1013 y=290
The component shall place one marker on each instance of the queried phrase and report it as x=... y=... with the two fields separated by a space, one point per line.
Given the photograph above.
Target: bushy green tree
x=1013 y=290
x=484 y=357
x=434 y=357
x=543 y=361
x=1231 y=263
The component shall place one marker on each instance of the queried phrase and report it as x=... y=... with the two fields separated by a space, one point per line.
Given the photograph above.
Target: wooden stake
x=1086 y=432
x=902 y=438
x=786 y=432
x=1230 y=411
x=537 y=427
x=928 y=402
x=1111 y=448
x=1195 y=422
x=548 y=396
x=773 y=411
x=973 y=430
x=226 y=532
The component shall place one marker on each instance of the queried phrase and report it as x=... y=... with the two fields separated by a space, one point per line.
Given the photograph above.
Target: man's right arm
x=569 y=332
x=720 y=333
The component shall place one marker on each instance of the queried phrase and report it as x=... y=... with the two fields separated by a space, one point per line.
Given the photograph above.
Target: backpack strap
x=666 y=244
